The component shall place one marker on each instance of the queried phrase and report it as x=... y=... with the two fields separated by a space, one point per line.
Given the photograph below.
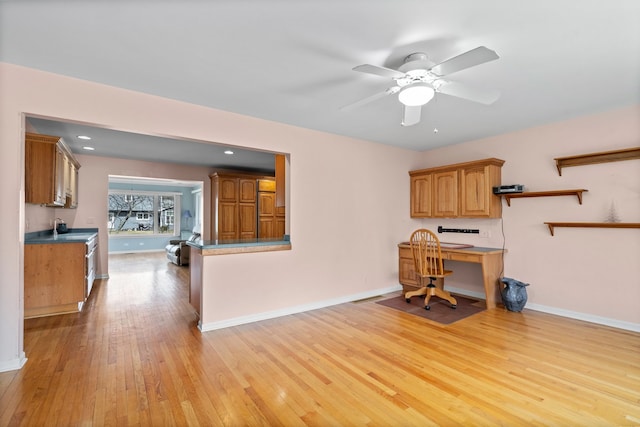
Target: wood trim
x=577 y=193
x=552 y=225
x=483 y=162
x=595 y=158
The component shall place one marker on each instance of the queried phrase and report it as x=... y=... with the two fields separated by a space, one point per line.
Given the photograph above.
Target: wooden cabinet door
x=227 y=220
x=247 y=191
x=280 y=226
x=41 y=175
x=406 y=270
x=54 y=277
x=421 y=196
x=227 y=189
x=72 y=199
x=445 y=187
x=247 y=221
x=266 y=214
x=476 y=192
x=60 y=190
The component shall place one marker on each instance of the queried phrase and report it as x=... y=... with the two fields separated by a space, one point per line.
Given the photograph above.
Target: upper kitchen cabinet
x=51 y=172
x=462 y=190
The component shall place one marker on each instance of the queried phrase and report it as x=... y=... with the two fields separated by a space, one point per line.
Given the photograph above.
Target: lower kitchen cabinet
x=57 y=277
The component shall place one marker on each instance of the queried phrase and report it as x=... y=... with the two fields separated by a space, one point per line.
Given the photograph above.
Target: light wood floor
x=135 y=357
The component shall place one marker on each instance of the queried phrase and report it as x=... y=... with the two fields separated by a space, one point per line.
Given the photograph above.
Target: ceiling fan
x=419 y=79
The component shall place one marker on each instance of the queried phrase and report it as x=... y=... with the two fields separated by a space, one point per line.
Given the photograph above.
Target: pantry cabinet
x=234 y=205
x=271 y=219
x=462 y=190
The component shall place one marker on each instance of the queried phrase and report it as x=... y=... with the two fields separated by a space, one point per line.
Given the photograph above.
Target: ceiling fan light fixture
x=416 y=94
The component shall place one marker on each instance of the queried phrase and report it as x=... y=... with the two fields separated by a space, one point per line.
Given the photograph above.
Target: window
x=143 y=213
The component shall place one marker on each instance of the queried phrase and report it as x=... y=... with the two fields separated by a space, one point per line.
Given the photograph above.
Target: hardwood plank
x=134 y=356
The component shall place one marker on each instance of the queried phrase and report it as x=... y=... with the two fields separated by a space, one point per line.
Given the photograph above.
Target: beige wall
x=580 y=272
x=349 y=205
x=329 y=175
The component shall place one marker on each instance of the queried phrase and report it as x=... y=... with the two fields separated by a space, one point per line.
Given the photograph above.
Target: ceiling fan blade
x=474 y=57
x=371 y=98
x=459 y=90
x=411 y=115
x=378 y=71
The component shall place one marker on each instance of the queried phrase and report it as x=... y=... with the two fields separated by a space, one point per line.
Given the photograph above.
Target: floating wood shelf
x=594 y=158
x=592 y=225
x=577 y=193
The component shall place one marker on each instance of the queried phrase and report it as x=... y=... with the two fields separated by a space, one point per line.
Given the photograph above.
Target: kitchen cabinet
x=271 y=219
x=58 y=276
x=51 y=172
x=71 y=182
x=234 y=213
x=462 y=190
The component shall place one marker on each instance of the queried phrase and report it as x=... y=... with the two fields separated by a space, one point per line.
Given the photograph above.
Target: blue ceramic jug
x=514 y=294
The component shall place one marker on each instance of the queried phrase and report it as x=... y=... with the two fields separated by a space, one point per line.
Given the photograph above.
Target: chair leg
x=408 y=295
x=441 y=293
x=433 y=290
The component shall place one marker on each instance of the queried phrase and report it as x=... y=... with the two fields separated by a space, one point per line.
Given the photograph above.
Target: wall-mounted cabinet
x=462 y=190
x=51 y=172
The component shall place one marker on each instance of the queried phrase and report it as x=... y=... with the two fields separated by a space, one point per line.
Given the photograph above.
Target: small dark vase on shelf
x=514 y=294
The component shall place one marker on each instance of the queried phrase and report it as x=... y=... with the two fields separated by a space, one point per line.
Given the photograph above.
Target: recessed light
x=85 y=137
x=88 y=148
x=228 y=152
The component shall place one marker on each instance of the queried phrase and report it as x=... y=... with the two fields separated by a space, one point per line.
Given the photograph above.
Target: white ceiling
x=291 y=61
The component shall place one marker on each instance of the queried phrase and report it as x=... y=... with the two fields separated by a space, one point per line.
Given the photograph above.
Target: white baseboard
x=466 y=292
x=629 y=326
x=131 y=251
x=13 y=365
x=294 y=310
x=635 y=327
x=606 y=321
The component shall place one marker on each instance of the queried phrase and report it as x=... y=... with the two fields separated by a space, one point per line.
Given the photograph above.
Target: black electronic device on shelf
x=507 y=189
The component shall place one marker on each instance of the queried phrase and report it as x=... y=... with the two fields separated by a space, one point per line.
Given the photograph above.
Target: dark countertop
x=238 y=243
x=240 y=246
x=75 y=235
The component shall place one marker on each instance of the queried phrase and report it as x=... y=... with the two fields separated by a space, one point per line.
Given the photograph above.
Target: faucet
x=55 y=227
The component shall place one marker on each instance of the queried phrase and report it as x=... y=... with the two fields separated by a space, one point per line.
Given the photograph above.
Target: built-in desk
x=489 y=258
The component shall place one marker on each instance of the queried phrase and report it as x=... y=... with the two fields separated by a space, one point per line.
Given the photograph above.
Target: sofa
x=178 y=252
